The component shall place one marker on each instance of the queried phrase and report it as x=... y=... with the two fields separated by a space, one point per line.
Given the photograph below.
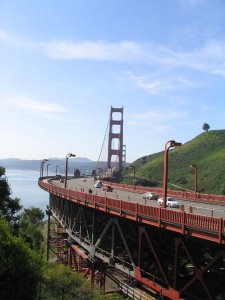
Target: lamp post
x=42 y=166
x=168 y=145
x=67 y=157
x=47 y=168
x=133 y=168
x=56 y=168
x=195 y=167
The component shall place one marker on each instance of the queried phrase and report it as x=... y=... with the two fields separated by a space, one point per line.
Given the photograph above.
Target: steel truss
x=172 y=265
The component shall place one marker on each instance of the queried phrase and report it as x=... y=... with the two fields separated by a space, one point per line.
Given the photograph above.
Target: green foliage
x=32 y=215
x=205 y=127
x=9 y=207
x=60 y=281
x=20 y=267
x=207 y=151
x=28 y=227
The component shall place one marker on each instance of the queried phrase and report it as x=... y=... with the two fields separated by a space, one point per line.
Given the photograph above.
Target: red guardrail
x=191 y=196
x=204 y=227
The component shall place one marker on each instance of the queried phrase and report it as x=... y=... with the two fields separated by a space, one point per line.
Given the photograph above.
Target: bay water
x=24 y=185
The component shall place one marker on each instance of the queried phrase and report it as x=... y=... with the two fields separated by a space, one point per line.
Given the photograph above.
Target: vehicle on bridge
x=98 y=184
x=170 y=202
x=150 y=196
x=107 y=188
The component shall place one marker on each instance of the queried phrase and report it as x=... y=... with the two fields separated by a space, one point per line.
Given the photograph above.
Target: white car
x=150 y=196
x=170 y=202
x=98 y=184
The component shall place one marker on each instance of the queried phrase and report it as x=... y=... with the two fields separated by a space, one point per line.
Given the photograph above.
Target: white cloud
x=162 y=115
x=162 y=84
x=40 y=107
x=9 y=38
x=27 y=105
x=208 y=58
x=149 y=85
x=93 y=50
x=31 y=105
x=157 y=121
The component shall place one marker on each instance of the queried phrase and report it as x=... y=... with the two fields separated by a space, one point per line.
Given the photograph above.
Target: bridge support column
x=118 y=135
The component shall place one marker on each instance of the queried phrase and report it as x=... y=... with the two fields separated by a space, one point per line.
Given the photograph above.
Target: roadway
x=85 y=184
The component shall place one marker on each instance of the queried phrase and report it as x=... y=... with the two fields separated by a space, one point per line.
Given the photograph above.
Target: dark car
x=107 y=188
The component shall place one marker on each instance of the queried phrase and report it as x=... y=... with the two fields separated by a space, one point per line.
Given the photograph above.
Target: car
x=98 y=184
x=107 y=188
x=150 y=196
x=170 y=202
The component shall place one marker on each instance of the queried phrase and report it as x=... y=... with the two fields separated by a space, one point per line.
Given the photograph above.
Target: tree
x=61 y=281
x=28 y=227
x=206 y=127
x=32 y=215
x=9 y=207
x=21 y=267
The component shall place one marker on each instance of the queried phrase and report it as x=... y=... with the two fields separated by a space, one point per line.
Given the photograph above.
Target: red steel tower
x=116 y=137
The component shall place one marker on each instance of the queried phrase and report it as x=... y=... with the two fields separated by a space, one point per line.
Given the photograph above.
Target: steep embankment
x=207 y=151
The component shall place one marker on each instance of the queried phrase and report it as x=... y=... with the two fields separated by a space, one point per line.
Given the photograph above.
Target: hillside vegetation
x=207 y=151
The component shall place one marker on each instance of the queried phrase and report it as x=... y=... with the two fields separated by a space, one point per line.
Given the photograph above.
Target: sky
x=64 y=64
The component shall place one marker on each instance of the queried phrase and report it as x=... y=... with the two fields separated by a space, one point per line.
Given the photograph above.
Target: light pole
x=67 y=157
x=168 y=145
x=195 y=167
x=42 y=166
x=56 y=168
x=47 y=168
x=133 y=168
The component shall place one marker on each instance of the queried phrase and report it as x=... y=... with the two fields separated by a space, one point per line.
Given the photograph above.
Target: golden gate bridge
x=142 y=250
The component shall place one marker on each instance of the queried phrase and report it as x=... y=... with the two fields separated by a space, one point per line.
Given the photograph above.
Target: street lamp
x=47 y=168
x=42 y=166
x=56 y=168
x=168 y=145
x=67 y=157
x=133 y=168
x=195 y=167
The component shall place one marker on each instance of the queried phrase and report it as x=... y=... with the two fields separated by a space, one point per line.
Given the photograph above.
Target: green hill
x=207 y=151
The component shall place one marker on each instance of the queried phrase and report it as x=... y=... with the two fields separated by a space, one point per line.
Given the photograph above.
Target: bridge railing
x=191 y=196
x=205 y=227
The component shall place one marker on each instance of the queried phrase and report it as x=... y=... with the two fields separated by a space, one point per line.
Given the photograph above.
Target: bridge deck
x=186 y=223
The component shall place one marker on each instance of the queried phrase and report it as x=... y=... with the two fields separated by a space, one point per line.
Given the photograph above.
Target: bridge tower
x=116 y=137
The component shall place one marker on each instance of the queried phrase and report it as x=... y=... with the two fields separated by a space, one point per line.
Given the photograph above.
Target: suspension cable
x=103 y=143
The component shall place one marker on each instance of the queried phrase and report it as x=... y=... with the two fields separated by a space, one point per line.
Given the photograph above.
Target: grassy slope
x=207 y=151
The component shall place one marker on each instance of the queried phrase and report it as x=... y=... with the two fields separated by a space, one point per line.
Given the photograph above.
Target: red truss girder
x=203 y=227
x=79 y=261
x=165 y=282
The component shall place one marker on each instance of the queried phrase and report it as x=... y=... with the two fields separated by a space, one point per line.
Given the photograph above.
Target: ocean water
x=24 y=185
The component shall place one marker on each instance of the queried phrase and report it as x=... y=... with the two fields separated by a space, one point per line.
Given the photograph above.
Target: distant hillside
x=74 y=163
x=207 y=151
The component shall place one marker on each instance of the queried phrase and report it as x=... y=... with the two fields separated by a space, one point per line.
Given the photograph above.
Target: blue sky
x=63 y=64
